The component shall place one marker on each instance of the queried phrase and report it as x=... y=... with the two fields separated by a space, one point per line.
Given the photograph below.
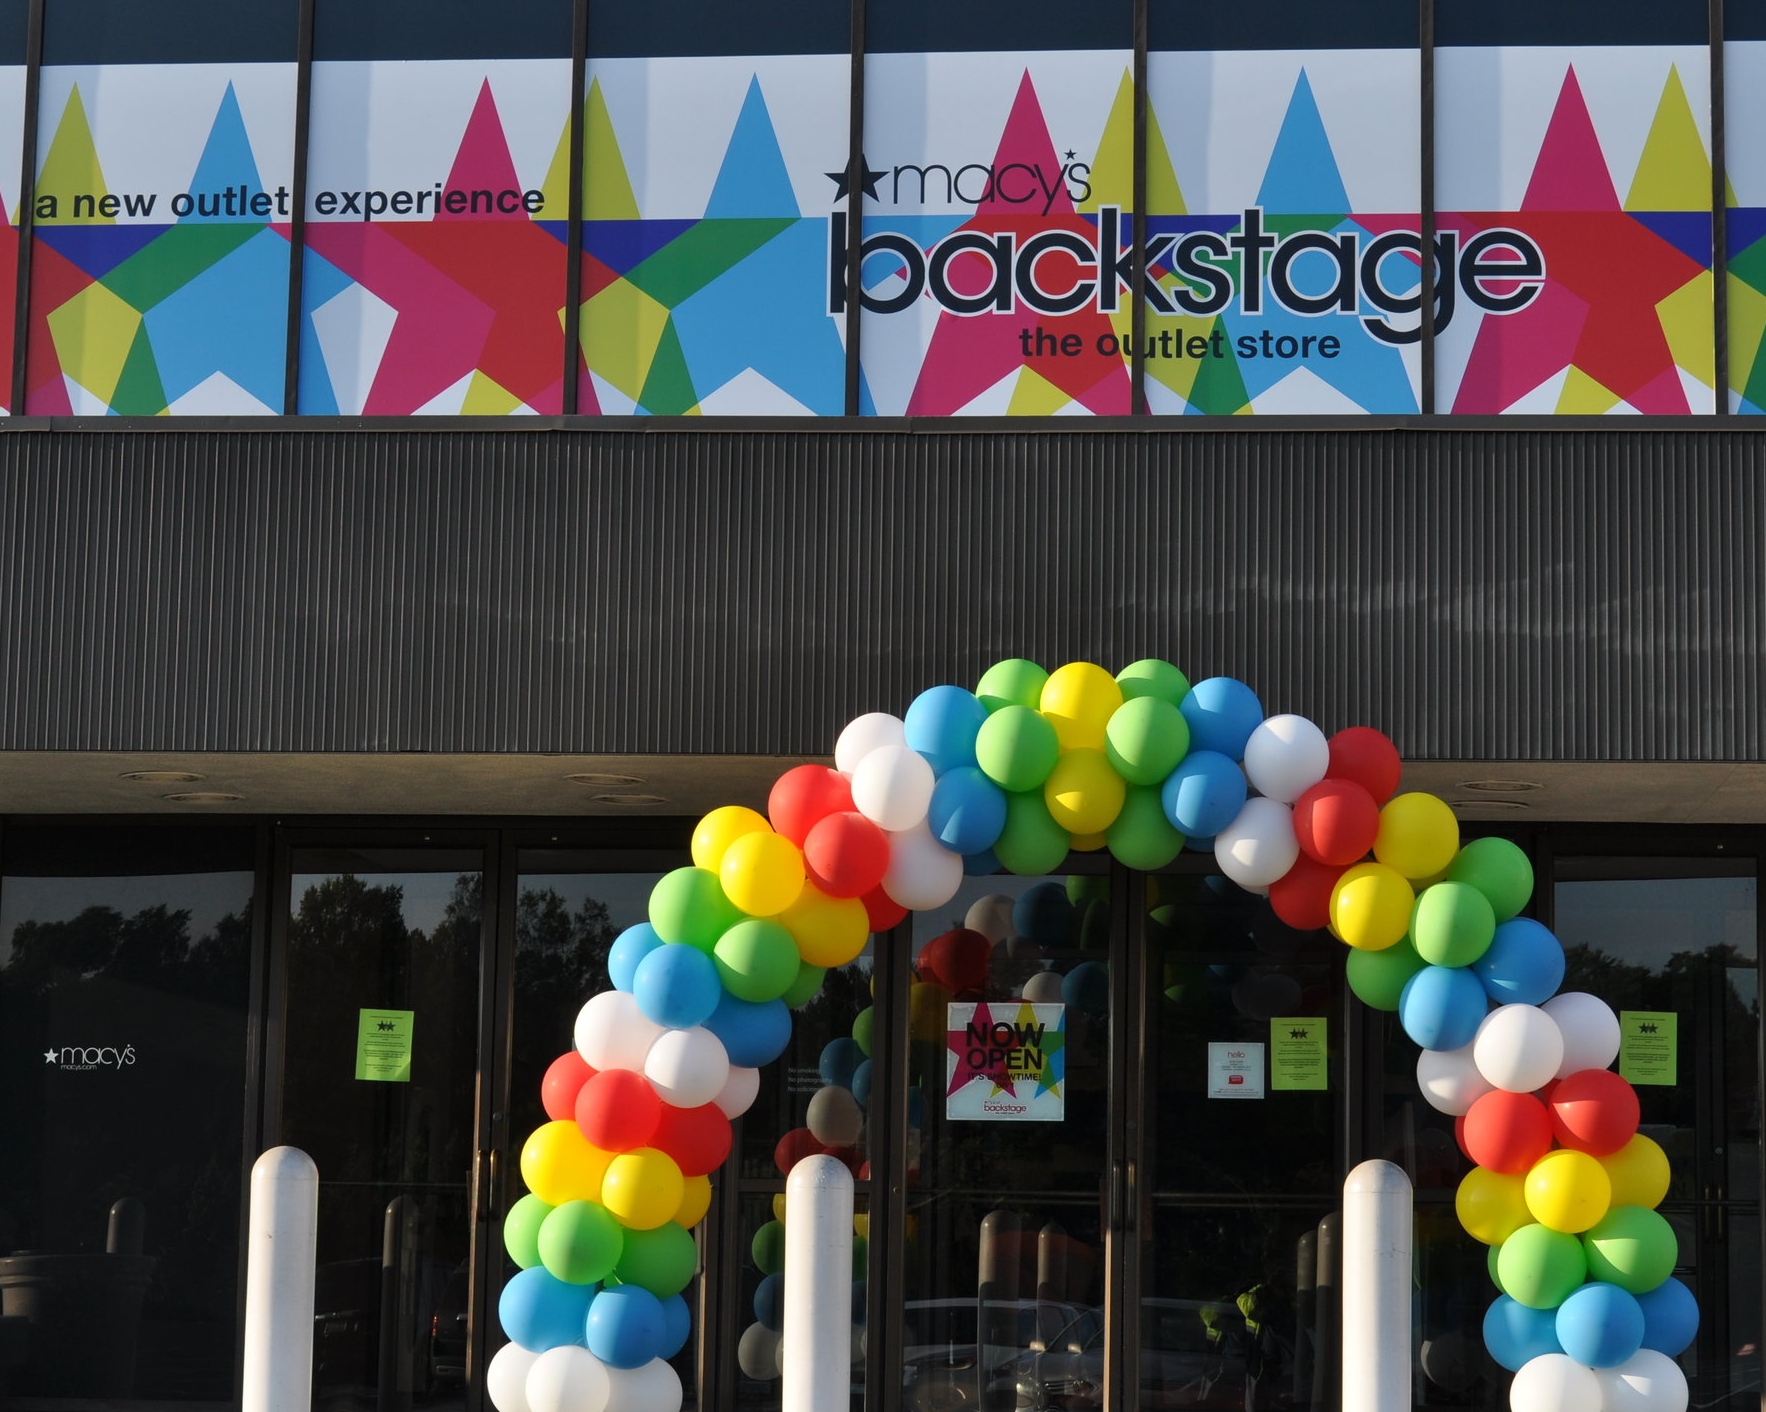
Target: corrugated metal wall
x=1516 y=594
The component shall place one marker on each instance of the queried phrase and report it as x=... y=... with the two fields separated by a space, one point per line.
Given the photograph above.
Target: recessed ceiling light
x=604 y=781
x=203 y=796
x=630 y=799
x=1501 y=786
x=160 y=776
x=1489 y=804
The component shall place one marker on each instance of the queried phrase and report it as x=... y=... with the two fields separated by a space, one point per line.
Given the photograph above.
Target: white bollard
x=282 y=1244
x=1376 y=1289
x=816 y=1357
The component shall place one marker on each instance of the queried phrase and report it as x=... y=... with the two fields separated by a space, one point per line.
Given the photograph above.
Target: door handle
x=494 y=1205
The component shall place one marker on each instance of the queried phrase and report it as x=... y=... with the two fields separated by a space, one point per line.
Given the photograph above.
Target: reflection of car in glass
x=346 y=1323
x=1180 y=1367
x=946 y=1360
x=447 y=1334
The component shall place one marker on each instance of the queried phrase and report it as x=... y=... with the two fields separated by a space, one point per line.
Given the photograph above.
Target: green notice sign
x=1297 y=1052
x=383 y=1046
x=1649 y=1049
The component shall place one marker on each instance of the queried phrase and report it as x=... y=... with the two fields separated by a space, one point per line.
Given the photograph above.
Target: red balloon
x=564 y=1080
x=1507 y=1132
x=1368 y=757
x=697 y=1138
x=852 y=1158
x=803 y=797
x=883 y=910
x=1301 y=897
x=1594 y=1111
x=846 y=854
x=957 y=960
x=1459 y=1136
x=793 y=1148
x=1336 y=822
x=618 y=1111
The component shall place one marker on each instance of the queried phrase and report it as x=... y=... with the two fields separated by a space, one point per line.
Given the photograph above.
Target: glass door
x=383 y=968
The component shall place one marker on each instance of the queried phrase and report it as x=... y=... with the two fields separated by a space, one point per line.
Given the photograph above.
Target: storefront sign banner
x=1006 y=1063
x=1649 y=1051
x=383 y=1045
x=1297 y=1053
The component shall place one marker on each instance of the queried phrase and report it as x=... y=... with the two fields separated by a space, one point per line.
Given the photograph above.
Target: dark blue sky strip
x=168 y=32
x=440 y=29
x=1467 y=22
x=676 y=28
x=15 y=19
x=1744 y=19
x=982 y=26
x=1282 y=24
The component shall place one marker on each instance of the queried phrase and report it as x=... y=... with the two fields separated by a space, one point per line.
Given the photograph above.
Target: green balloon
x=757 y=960
x=1492 y=1254
x=1499 y=870
x=1146 y=739
x=580 y=1242
x=662 y=1261
x=1017 y=748
x=1013 y=682
x=521 y=1230
x=1451 y=924
x=805 y=987
x=1087 y=887
x=1142 y=837
x=861 y=1257
x=1632 y=1247
x=1540 y=1267
x=1377 y=977
x=1032 y=843
x=861 y=1029
x=1152 y=677
x=688 y=905
x=768 y=1248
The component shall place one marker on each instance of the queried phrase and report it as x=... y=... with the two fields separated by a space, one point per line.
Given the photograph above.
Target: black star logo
x=386 y=1024
x=867 y=182
x=1071 y=154
x=1296 y=1034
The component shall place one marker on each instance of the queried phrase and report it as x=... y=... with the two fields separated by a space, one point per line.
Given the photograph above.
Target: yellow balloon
x=1568 y=1190
x=928 y=1017
x=643 y=1189
x=558 y=1164
x=861 y=1225
x=719 y=829
x=1491 y=1206
x=1078 y=701
x=1418 y=835
x=1639 y=1173
x=762 y=873
x=1089 y=842
x=830 y=931
x=1084 y=793
x=695 y=1202
x=1370 y=907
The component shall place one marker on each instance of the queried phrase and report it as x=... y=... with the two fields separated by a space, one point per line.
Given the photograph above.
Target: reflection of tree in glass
x=560 y=961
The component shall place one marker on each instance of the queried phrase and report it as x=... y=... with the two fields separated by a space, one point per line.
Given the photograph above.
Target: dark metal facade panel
x=1509 y=594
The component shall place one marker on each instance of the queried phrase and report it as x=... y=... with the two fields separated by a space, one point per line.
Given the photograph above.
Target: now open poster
x=1006 y=1063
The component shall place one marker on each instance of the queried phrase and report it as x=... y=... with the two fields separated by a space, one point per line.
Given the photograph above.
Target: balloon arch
x=1011 y=776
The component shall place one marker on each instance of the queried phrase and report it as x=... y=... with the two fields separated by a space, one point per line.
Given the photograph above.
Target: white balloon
x=865 y=734
x=1554 y=1382
x=1449 y=1080
x=1647 y=1381
x=505 y=1378
x=1590 y=1030
x=613 y=1033
x=1044 y=988
x=757 y=1353
x=569 y=1379
x=922 y=872
x=1518 y=1048
x=739 y=1091
x=655 y=1387
x=687 y=1067
x=834 y=1118
x=892 y=787
x=991 y=916
x=1258 y=847
x=1285 y=757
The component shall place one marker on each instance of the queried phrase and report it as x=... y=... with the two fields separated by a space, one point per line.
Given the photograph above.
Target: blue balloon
x=630 y=947
x=1199 y=845
x=680 y=1325
x=980 y=865
x=861 y=1084
x=627 y=1326
x=942 y=725
x=1044 y=915
x=1524 y=965
x=540 y=1311
x=840 y=1057
x=1515 y=1334
x=1600 y=1325
x=1203 y=794
x=754 y=1032
x=1221 y=713
x=1441 y=1007
x=968 y=811
x=916 y=1107
x=1087 y=988
x=1670 y=1318
x=677 y=986
x=769 y=1302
